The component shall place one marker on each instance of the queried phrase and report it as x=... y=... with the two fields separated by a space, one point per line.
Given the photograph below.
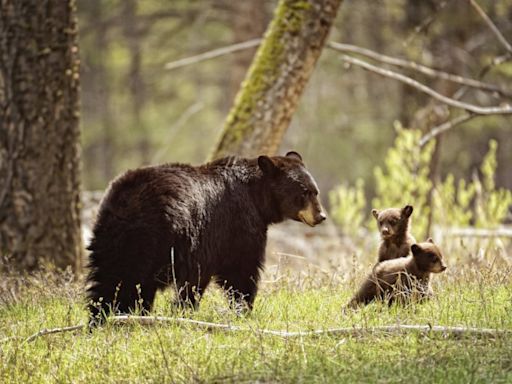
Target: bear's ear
x=375 y=213
x=294 y=155
x=266 y=165
x=430 y=240
x=407 y=211
x=415 y=248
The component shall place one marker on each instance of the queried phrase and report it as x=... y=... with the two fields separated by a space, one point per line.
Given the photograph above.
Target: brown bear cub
x=393 y=226
x=402 y=279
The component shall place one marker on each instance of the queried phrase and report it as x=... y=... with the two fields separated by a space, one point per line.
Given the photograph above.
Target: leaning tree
x=39 y=133
x=276 y=79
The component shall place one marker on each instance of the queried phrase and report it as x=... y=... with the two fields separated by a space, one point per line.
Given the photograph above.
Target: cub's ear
x=430 y=240
x=294 y=155
x=407 y=211
x=416 y=249
x=375 y=213
x=266 y=165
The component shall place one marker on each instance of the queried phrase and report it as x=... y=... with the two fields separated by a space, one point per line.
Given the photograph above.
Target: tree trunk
x=134 y=77
x=96 y=97
x=39 y=134
x=283 y=64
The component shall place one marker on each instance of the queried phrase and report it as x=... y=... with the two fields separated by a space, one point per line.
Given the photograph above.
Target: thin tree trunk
x=134 y=78
x=39 y=133
x=276 y=79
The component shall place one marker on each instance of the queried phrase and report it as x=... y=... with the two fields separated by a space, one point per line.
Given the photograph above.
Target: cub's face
x=392 y=220
x=428 y=257
x=293 y=188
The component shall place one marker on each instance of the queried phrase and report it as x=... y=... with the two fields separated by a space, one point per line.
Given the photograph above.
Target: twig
x=426 y=24
x=44 y=332
x=429 y=91
x=436 y=131
x=431 y=72
x=348 y=331
x=492 y=26
x=213 y=54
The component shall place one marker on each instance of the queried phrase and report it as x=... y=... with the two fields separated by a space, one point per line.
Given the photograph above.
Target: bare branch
x=431 y=72
x=429 y=91
x=348 y=331
x=426 y=23
x=213 y=54
x=436 y=131
x=492 y=26
x=44 y=332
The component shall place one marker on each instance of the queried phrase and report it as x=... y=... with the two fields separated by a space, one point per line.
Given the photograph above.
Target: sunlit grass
x=185 y=353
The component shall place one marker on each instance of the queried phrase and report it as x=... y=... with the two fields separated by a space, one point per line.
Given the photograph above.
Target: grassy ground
x=182 y=353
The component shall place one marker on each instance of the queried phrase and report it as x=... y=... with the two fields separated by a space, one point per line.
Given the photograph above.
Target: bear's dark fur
x=402 y=279
x=396 y=239
x=179 y=225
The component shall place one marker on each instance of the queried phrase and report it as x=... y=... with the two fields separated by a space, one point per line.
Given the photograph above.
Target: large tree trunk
x=283 y=64
x=39 y=133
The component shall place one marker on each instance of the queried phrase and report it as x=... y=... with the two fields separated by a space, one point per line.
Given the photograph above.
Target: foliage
x=478 y=202
x=184 y=353
x=492 y=203
x=348 y=206
x=452 y=204
x=404 y=179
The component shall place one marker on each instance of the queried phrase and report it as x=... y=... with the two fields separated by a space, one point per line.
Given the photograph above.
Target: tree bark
x=39 y=134
x=283 y=64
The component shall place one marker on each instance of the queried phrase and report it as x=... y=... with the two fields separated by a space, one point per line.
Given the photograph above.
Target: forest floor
x=184 y=352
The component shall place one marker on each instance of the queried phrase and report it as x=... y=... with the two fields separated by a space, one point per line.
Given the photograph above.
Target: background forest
x=135 y=112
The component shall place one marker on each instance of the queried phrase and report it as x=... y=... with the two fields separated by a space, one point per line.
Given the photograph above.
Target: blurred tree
x=39 y=153
x=132 y=32
x=275 y=81
x=249 y=21
x=96 y=95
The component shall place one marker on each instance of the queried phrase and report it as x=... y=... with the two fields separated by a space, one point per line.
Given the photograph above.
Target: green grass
x=183 y=353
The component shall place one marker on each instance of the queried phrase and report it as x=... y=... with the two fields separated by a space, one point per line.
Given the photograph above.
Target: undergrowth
x=467 y=295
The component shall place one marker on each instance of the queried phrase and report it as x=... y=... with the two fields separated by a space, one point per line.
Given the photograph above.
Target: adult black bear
x=180 y=225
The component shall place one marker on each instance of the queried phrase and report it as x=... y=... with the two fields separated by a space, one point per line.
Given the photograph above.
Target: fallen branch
x=429 y=91
x=431 y=72
x=348 y=331
x=44 y=332
x=213 y=54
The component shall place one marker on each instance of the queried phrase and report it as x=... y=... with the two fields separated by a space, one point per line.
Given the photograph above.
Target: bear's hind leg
x=240 y=288
x=189 y=295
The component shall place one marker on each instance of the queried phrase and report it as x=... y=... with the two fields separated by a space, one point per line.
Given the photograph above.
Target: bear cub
x=396 y=239
x=402 y=279
x=183 y=226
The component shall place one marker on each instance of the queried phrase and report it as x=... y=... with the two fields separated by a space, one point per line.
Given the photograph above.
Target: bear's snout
x=312 y=214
